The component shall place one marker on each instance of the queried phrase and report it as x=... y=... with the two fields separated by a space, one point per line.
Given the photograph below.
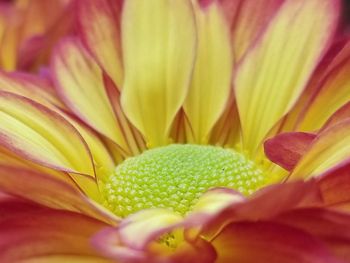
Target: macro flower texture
x=178 y=131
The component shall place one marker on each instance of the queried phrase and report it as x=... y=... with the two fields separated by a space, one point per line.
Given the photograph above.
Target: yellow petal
x=30 y=86
x=329 y=149
x=275 y=72
x=158 y=40
x=102 y=159
x=41 y=135
x=334 y=93
x=99 y=22
x=211 y=81
x=79 y=81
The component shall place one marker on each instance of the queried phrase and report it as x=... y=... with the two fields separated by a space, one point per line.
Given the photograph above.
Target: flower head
x=159 y=130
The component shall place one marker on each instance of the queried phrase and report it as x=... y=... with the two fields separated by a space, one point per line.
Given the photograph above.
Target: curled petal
x=286 y=149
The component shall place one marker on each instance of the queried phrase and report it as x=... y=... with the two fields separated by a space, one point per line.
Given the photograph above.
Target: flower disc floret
x=175 y=176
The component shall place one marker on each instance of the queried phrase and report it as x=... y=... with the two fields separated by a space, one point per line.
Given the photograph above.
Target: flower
x=29 y=28
x=151 y=136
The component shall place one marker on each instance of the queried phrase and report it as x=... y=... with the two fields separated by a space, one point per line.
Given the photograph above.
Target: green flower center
x=175 y=176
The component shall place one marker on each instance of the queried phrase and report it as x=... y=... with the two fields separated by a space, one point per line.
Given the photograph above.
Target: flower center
x=175 y=176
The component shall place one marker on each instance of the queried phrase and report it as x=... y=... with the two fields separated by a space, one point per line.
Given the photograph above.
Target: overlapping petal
x=158 y=71
x=79 y=81
x=45 y=190
x=37 y=234
x=274 y=73
x=99 y=28
x=211 y=80
x=330 y=148
x=286 y=149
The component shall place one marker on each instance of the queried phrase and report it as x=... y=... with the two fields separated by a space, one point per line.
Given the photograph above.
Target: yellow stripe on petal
x=99 y=22
x=158 y=39
x=41 y=135
x=275 y=72
x=330 y=148
x=211 y=82
x=80 y=83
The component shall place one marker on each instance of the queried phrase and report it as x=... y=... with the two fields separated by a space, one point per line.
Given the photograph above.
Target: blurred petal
x=286 y=149
x=158 y=71
x=330 y=148
x=99 y=22
x=269 y=242
x=30 y=86
x=335 y=187
x=330 y=226
x=217 y=199
x=79 y=81
x=275 y=72
x=139 y=228
x=44 y=233
x=211 y=81
x=48 y=191
x=266 y=204
x=340 y=115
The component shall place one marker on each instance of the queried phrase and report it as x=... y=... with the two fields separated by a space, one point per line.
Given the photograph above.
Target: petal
x=99 y=29
x=286 y=149
x=275 y=72
x=329 y=149
x=36 y=50
x=30 y=86
x=41 y=233
x=158 y=71
x=217 y=199
x=211 y=80
x=340 y=115
x=103 y=162
x=263 y=205
x=329 y=65
x=330 y=226
x=248 y=20
x=48 y=191
x=149 y=222
x=335 y=187
x=109 y=244
x=79 y=81
x=41 y=135
x=333 y=93
x=268 y=242
x=38 y=134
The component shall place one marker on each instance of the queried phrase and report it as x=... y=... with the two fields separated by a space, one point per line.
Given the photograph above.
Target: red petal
x=286 y=149
x=40 y=233
x=269 y=243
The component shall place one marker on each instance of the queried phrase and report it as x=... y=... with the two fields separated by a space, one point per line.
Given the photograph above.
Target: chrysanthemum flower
x=153 y=149
x=29 y=29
